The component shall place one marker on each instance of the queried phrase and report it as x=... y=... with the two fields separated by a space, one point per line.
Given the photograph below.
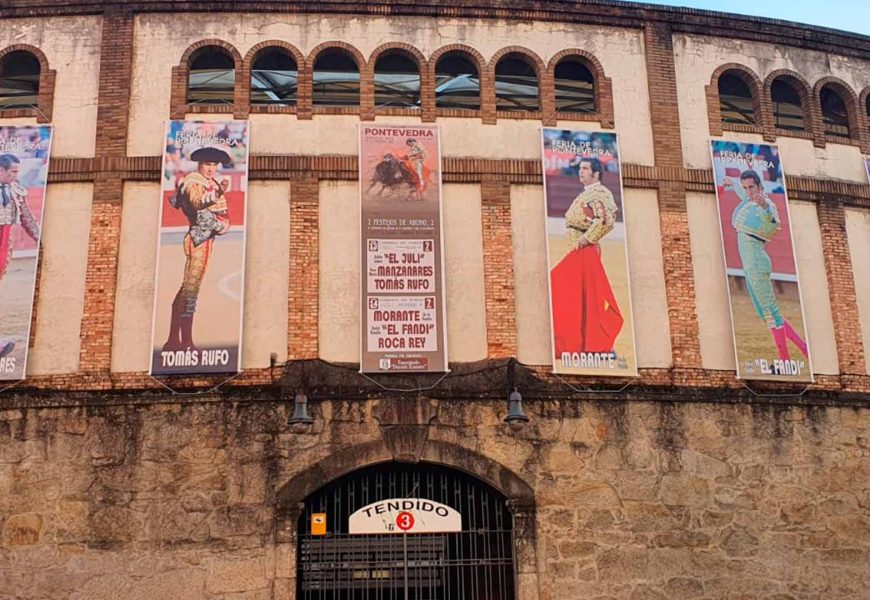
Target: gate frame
x=520 y=496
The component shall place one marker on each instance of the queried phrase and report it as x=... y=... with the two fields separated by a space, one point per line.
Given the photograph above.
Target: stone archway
x=403 y=443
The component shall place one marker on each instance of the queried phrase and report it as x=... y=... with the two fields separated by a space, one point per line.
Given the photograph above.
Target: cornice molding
x=595 y=12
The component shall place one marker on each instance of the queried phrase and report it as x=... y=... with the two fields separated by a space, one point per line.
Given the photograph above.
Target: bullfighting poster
x=200 y=282
x=24 y=152
x=770 y=339
x=402 y=312
x=590 y=300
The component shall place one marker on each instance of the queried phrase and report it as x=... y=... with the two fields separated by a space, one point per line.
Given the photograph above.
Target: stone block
x=24 y=529
x=684 y=588
x=739 y=542
x=285 y=561
x=103 y=587
x=182 y=583
x=682 y=490
x=243 y=575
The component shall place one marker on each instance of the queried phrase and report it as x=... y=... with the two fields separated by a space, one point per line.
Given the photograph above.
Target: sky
x=848 y=15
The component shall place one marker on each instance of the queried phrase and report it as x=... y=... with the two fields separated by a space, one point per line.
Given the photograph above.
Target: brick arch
x=45 y=96
x=862 y=101
x=602 y=87
x=472 y=53
x=755 y=85
x=476 y=59
x=36 y=52
x=196 y=46
x=355 y=54
x=248 y=65
x=812 y=118
x=488 y=99
x=306 y=100
x=850 y=99
x=865 y=119
x=254 y=53
x=408 y=49
x=178 y=103
x=367 y=82
x=530 y=55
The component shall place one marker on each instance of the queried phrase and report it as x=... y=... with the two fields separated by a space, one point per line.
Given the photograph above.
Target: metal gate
x=474 y=564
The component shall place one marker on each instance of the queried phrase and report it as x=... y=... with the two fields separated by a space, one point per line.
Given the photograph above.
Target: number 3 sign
x=405 y=521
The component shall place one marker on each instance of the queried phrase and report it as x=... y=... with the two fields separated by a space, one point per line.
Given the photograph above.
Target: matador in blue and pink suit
x=756 y=221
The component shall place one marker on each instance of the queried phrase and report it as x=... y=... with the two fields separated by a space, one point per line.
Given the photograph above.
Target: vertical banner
x=590 y=300
x=867 y=165
x=24 y=152
x=770 y=340
x=403 y=320
x=200 y=283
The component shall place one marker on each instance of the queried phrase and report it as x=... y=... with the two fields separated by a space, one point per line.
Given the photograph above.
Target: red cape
x=586 y=317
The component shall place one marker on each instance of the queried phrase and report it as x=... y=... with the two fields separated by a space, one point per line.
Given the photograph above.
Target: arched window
x=736 y=104
x=834 y=113
x=461 y=543
x=397 y=81
x=867 y=110
x=575 y=87
x=274 y=78
x=788 y=112
x=516 y=85
x=212 y=77
x=336 y=79
x=457 y=82
x=19 y=80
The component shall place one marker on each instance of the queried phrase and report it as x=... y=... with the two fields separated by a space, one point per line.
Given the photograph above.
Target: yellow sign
x=318 y=524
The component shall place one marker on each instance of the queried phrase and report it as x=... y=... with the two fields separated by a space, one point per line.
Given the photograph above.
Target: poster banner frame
x=18 y=373
x=740 y=374
x=632 y=369
x=244 y=177
x=439 y=276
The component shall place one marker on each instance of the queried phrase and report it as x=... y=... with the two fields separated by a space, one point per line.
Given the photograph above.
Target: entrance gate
x=476 y=563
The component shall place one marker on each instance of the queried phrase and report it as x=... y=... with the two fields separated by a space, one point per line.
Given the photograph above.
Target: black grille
x=477 y=563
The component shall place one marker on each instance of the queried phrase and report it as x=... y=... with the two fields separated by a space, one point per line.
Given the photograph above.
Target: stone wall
x=632 y=500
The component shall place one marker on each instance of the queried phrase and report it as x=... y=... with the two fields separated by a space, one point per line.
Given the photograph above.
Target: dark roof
x=596 y=12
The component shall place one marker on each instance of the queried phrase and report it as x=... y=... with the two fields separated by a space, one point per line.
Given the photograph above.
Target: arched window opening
x=736 y=104
x=516 y=85
x=471 y=559
x=457 y=82
x=212 y=77
x=575 y=87
x=867 y=111
x=834 y=113
x=788 y=112
x=336 y=80
x=19 y=80
x=397 y=81
x=274 y=79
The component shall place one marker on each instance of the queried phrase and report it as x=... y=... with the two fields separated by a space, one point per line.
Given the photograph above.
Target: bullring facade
x=682 y=483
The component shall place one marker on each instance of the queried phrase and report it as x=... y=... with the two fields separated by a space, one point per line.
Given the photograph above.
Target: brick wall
x=501 y=323
x=676 y=248
x=841 y=285
x=303 y=299
x=112 y=113
x=110 y=168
